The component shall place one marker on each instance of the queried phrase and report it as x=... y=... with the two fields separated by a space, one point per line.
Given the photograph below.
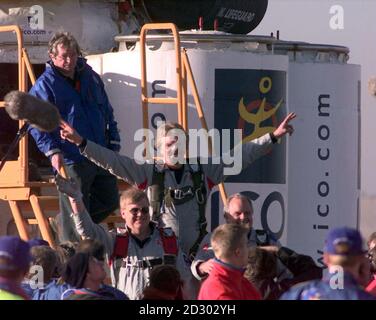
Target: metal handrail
x=184 y=75
x=199 y=37
x=144 y=91
x=200 y=112
x=223 y=37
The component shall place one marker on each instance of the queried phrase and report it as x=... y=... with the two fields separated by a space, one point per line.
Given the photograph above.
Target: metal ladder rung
x=35 y=221
x=48 y=203
x=184 y=76
x=31 y=221
x=160 y=100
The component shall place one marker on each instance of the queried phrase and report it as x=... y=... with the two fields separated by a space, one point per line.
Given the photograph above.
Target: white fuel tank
x=93 y=23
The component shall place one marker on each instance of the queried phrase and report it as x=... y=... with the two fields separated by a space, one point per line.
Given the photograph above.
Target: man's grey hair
x=64 y=38
x=236 y=196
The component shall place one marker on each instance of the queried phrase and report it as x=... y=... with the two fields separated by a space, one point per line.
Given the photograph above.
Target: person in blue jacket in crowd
x=348 y=270
x=48 y=286
x=78 y=92
x=76 y=272
x=84 y=274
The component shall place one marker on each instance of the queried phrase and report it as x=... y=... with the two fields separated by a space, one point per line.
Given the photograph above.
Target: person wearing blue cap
x=348 y=270
x=14 y=264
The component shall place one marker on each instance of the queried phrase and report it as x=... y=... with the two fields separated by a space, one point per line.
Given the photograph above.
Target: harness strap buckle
x=179 y=194
x=200 y=196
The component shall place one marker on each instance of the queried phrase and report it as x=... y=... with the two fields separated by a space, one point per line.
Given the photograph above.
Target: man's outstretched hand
x=68 y=133
x=70 y=187
x=285 y=126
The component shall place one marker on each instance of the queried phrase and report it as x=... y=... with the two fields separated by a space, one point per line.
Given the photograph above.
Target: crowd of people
x=163 y=250
x=238 y=270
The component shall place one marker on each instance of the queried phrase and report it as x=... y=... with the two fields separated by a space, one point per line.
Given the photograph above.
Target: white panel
x=316 y=183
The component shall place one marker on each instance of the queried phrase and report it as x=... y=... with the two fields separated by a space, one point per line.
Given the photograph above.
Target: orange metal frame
x=15 y=187
x=184 y=76
x=24 y=195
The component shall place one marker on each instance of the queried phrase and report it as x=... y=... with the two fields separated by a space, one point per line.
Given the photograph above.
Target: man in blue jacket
x=70 y=83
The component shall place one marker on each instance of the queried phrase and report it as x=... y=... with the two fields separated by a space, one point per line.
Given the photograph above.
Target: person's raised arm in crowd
x=85 y=226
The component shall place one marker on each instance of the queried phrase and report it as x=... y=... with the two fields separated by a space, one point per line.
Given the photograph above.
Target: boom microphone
x=38 y=113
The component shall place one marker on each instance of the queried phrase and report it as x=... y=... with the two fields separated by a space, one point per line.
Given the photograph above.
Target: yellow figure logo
x=261 y=115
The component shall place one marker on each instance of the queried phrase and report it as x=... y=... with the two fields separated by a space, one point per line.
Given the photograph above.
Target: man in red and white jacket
x=132 y=251
x=226 y=280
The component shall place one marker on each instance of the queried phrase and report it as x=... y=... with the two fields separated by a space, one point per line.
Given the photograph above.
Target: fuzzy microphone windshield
x=38 y=113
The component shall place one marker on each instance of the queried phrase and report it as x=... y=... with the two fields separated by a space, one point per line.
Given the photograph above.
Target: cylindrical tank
x=309 y=182
x=324 y=154
x=93 y=23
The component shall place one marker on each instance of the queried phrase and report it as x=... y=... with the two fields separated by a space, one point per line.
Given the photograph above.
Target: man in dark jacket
x=262 y=269
x=239 y=210
x=70 y=83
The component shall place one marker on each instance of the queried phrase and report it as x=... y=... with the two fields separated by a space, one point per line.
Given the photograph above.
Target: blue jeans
x=100 y=195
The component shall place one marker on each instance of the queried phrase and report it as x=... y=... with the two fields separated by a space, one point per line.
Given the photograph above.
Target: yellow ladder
x=184 y=75
x=24 y=196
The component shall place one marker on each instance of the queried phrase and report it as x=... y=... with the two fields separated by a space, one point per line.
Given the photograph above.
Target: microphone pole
x=20 y=134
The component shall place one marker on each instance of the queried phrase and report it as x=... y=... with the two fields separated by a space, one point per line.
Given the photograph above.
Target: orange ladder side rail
x=184 y=76
x=145 y=99
x=200 y=112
